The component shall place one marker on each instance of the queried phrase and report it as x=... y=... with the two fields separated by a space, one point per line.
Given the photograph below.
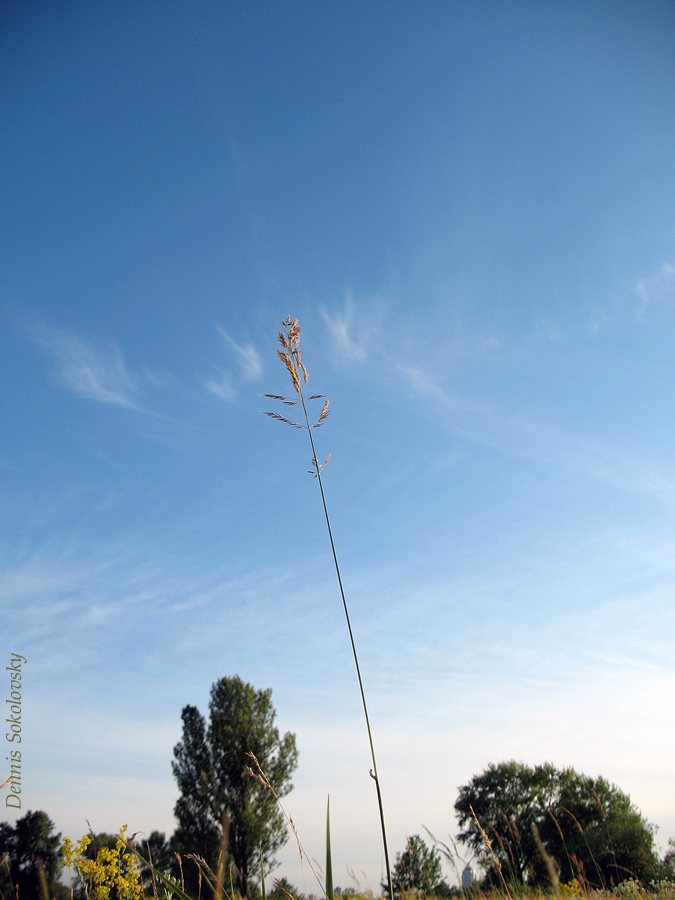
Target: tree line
x=519 y=824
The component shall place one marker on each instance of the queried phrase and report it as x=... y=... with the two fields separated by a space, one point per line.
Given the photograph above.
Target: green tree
x=217 y=795
x=199 y=828
x=668 y=864
x=157 y=850
x=417 y=868
x=29 y=841
x=588 y=826
x=505 y=801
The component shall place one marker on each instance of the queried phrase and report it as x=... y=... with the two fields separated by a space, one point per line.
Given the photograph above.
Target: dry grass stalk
x=222 y=856
x=283 y=889
x=493 y=855
x=562 y=838
x=180 y=867
x=506 y=848
x=609 y=836
x=289 y=338
x=588 y=846
x=262 y=779
x=548 y=860
x=152 y=868
x=208 y=875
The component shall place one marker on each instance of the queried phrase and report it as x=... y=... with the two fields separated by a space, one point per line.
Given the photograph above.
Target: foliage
x=106 y=873
x=627 y=890
x=218 y=799
x=199 y=830
x=157 y=851
x=30 y=840
x=417 y=869
x=668 y=865
x=589 y=827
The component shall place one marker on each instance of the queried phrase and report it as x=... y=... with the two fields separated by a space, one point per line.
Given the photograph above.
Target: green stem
x=373 y=772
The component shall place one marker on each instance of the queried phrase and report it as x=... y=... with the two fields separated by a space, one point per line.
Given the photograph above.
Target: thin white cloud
x=247 y=361
x=221 y=387
x=352 y=339
x=247 y=358
x=516 y=434
x=95 y=373
x=657 y=287
x=522 y=437
x=422 y=383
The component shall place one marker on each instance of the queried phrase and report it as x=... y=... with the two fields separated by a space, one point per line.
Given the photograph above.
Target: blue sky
x=470 y=207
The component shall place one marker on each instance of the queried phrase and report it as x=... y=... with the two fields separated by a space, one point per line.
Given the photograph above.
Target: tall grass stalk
x=549 y=862
x=259 y=776
x=609 y=836
x=289 y=338
x=491 y=852
x=262 y=876
x=588 y=846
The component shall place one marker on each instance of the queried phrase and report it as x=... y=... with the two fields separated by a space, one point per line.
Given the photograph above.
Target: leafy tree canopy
x=219 y=801
x=418 y=868
x=588 y=826
x=30 y=840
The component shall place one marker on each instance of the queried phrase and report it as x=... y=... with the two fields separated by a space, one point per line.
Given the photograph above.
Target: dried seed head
x=293 y=372
x=323 y=414
x=291 y=357
x=274 y=415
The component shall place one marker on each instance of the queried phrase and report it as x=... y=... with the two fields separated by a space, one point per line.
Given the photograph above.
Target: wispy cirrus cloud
x=94 y=373
x=521 y=436
x=656 y=287
x=221 y=386
x=246 y=360
x=423 y=383
x=352 y=335
x=514 y=432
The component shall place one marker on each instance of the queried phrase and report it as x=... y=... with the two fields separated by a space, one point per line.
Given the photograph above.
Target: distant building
x=467 y=876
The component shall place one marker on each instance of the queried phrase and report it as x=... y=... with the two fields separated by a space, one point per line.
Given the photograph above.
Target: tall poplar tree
x=216 y=790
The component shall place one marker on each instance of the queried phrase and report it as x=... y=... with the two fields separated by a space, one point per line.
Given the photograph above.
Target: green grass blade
x=173 y=887
x=262 y=876
x=163 y=879
x=329 y=861
x=160 y=875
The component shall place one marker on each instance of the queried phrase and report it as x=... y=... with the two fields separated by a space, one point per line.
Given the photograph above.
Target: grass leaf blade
x=329 y=860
